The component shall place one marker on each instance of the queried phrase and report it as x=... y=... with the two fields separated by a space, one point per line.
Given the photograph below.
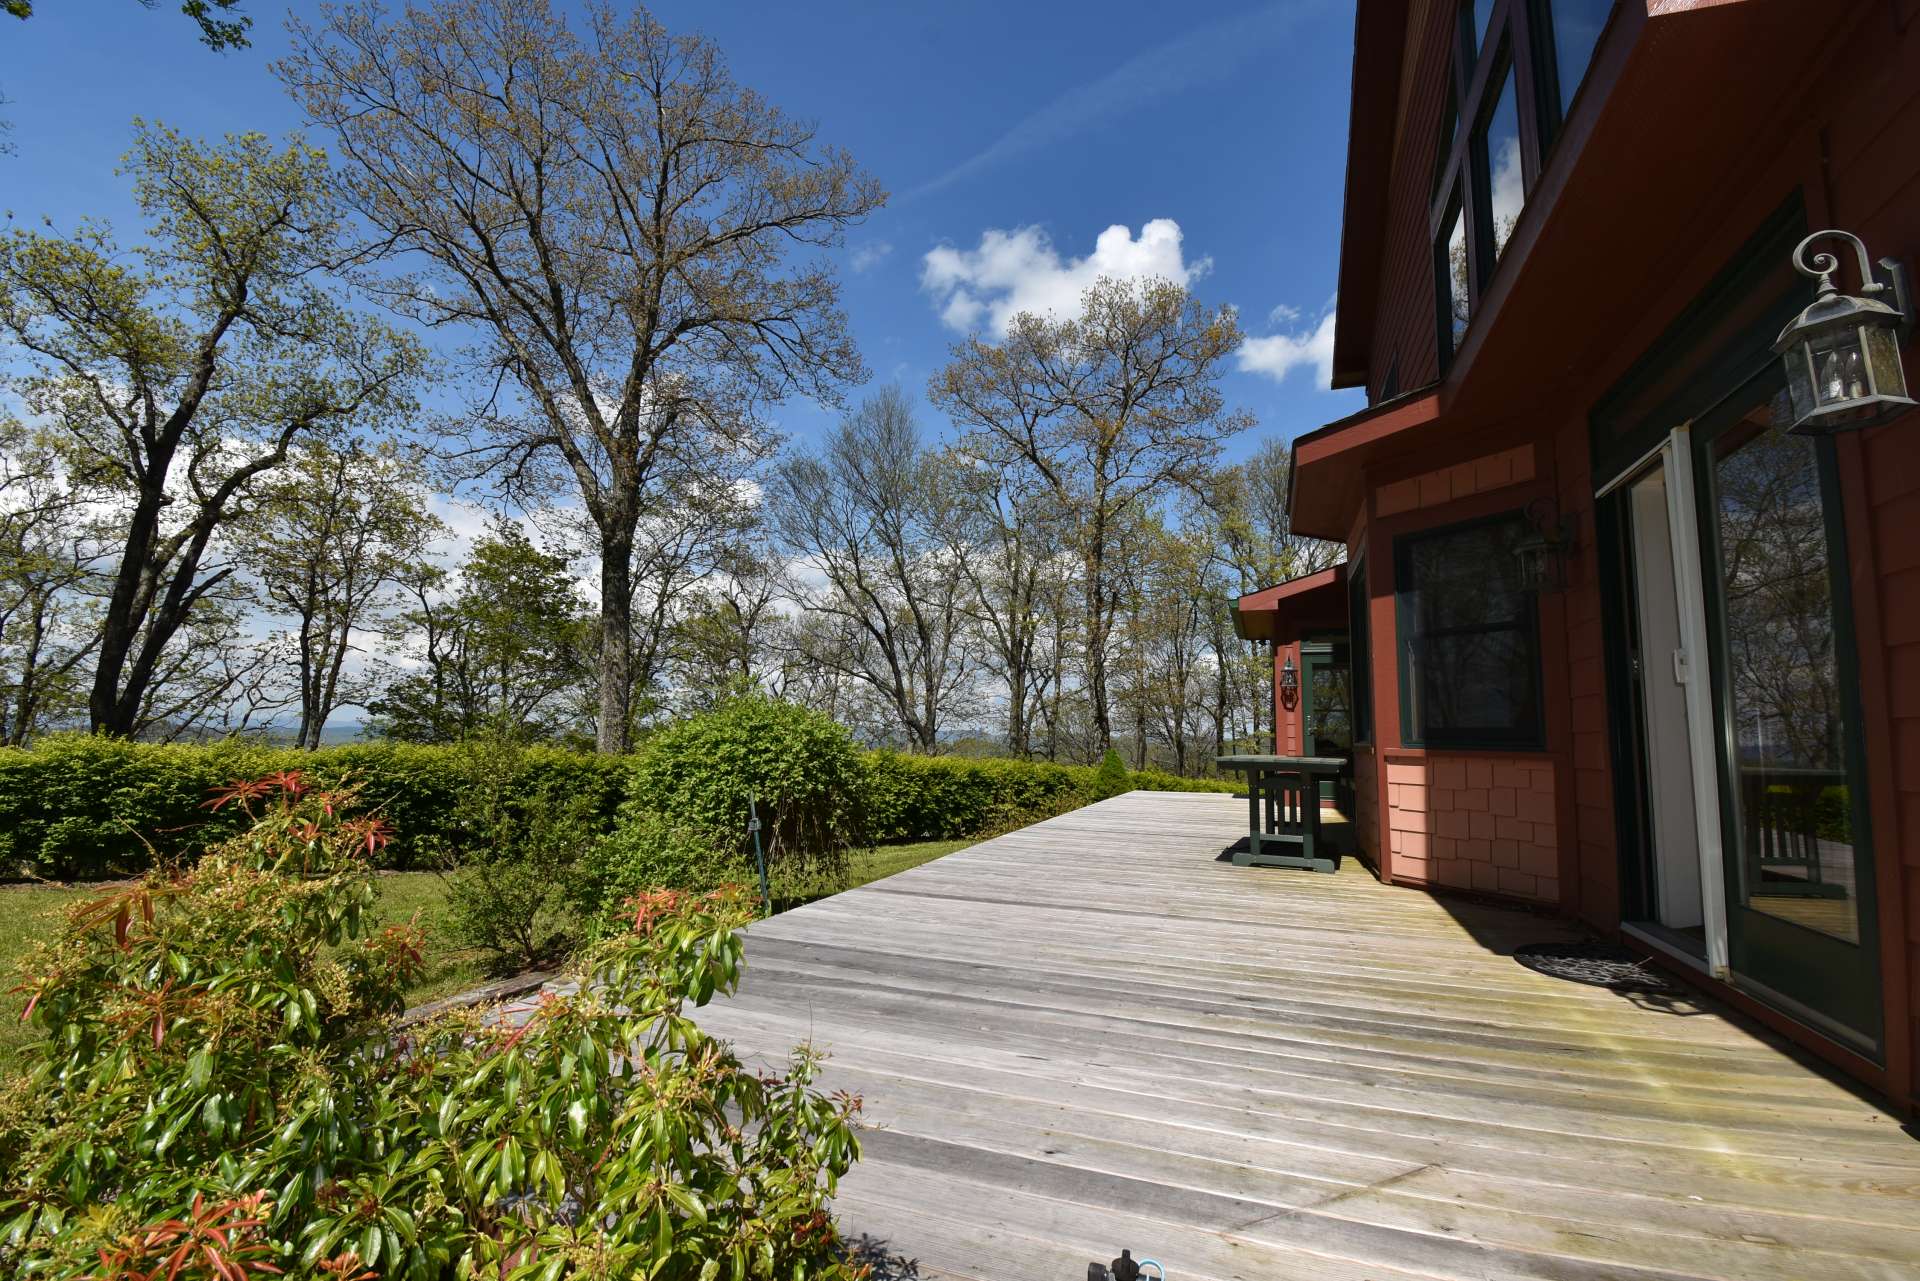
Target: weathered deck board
x=1090 y=1034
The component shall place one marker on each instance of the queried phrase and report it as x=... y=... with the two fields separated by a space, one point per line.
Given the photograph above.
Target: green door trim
x=1848 y=975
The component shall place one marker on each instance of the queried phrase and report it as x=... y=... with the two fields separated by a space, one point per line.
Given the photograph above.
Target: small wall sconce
x=1842 y=353
x=1289 y=680
x=1544 y=550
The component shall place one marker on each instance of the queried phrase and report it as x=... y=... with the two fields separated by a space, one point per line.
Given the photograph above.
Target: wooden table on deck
x=1283 y=809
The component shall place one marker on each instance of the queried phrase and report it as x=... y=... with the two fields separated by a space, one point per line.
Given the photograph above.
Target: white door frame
x=1692 y=665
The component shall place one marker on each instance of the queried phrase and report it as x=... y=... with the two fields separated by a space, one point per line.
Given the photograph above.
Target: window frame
x=1360 y=650
x=1527 y=738
x=1478 y=73
x=1544 y=53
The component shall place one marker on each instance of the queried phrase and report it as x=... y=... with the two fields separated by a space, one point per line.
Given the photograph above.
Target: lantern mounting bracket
x=1889 y=276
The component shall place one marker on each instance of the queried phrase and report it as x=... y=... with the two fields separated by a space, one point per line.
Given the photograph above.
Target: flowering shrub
x=226 y=1092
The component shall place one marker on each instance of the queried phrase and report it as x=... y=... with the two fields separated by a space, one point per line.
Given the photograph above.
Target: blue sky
x=1011 y=136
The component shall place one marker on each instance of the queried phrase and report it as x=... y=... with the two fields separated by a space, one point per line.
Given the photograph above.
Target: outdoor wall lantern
x=1843 y=352
x=1289 y=680
x=1544 y=549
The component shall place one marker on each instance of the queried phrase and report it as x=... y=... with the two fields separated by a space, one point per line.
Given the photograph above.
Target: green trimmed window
x=1469 y=638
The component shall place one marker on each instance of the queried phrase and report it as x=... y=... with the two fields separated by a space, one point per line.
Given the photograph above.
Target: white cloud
x=1283 y=314
x=1202 y=56
x=1020 y=270
x=871 y=255
x=1277 y=355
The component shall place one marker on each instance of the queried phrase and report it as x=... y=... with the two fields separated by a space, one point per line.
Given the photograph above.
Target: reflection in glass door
x=1798 y=861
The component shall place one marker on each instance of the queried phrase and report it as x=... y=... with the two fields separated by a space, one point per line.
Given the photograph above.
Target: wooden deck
x=1091 y=1034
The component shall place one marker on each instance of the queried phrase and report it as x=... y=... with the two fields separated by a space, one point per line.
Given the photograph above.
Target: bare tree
x=176 y=374
x=52 y=548
x=865 y=517
x=612 y=215
x=332 y=538
x=1112 y=409
x=730 y=634
x=1007 y=539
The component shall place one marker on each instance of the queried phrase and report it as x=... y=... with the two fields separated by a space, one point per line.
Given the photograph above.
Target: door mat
x=1595 y=964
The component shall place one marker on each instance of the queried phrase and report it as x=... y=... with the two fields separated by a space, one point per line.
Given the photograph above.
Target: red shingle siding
x=1871 y=133
x=1475 y=822
x=1404 y=335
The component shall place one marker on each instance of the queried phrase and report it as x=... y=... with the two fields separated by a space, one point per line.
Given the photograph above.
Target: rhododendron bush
x=226 y=1091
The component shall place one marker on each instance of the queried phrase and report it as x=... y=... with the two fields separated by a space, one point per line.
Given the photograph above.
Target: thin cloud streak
x=1206 y=53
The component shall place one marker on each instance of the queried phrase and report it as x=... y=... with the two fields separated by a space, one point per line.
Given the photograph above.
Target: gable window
x=1470 y=638
x=1499 y=176
x=1475 y=15
x=1450 y=266
x=1517 y=65
x=1575 y=27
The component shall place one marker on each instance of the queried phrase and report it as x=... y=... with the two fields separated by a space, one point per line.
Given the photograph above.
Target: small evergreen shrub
x=225 y=1092
x=1111 y=778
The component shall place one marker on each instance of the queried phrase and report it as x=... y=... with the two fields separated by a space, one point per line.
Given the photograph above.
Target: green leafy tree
x=175 y=374
x=502 y=656
x=222 y=25
x=615 y=218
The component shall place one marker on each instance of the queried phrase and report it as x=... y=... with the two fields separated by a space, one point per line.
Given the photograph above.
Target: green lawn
x=31 y=912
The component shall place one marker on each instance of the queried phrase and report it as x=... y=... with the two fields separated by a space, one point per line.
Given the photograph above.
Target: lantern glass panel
x=1840 y=368
x=1799 y=363
x=1883 y=362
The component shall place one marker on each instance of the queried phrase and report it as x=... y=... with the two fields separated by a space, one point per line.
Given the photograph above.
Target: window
x=1474 y=17
x=1517 y=65
x=1470 y=638
x=1449 y=126
x=1499 y=176
x=1450 y=268
x=1576 y=27
x=1360 y=651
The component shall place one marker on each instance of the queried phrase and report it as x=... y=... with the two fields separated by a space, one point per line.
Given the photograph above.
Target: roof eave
x=1379 y=36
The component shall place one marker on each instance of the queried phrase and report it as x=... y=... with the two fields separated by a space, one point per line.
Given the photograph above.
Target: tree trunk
x=1017 y=711
x=107 y=712
x=616 y=643
x=1097 y=652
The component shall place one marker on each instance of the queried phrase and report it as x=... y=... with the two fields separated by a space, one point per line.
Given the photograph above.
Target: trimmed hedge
x=71 y=807
x=938 y=798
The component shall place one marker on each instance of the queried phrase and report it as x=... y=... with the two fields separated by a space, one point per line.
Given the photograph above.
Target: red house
x=1616 y=640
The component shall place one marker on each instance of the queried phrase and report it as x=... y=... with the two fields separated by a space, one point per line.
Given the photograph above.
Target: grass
x=29 y=913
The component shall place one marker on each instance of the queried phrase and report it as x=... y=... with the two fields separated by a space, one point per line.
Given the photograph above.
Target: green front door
x=1798 y=858
x=1326 y=703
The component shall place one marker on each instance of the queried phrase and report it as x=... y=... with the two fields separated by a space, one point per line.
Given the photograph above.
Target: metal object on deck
x=759 y=856
x=1125 y=1268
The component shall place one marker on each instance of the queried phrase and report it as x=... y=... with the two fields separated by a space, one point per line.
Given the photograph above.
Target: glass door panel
x=1798 y=863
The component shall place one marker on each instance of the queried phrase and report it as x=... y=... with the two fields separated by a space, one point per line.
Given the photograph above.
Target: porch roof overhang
x=1379 y=38
x=1326 y=480
x=1259 y=615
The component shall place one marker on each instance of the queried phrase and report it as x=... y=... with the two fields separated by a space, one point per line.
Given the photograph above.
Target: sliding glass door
x=1798 y=861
